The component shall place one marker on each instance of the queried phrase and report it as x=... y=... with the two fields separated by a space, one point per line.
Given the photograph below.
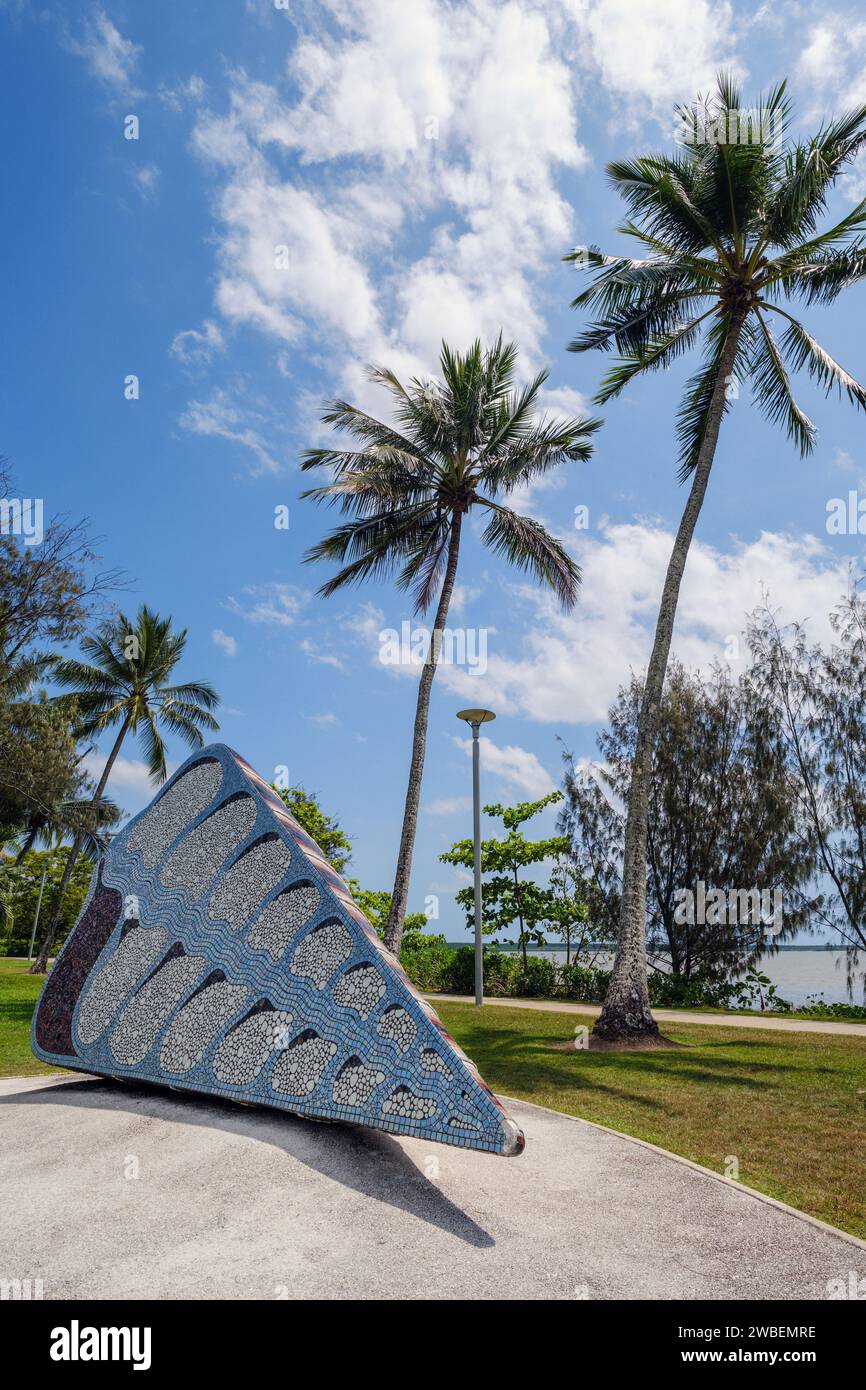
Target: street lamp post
x=475 y=718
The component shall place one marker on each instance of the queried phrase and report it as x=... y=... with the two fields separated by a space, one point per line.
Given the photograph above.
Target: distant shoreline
x=600 y=947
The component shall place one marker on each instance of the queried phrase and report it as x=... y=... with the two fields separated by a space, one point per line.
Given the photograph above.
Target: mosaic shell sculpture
x=219 y=952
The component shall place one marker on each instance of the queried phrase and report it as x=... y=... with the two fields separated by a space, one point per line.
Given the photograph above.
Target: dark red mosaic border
x=53 y=1031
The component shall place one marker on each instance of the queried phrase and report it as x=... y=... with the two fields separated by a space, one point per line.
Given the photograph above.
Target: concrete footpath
x=780 y=1025
x=116 y=1191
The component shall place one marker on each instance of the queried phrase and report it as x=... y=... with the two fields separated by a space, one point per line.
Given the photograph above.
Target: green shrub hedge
x=435 y=967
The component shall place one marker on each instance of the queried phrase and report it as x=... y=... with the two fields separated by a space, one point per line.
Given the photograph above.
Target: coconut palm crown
x=126 y=683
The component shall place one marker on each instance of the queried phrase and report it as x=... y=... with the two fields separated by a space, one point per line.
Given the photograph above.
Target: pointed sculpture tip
x=516 y=1141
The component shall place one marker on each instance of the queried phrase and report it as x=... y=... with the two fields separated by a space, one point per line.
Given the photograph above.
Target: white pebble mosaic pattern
x=298 y=1069
x=408 y=1106
x=356 y=1083
x=282 y=919
x=319 y=954
x=146 y=1012
x=244 y=1051
x=397 y=1026
x=137 y=952
x=198 y=1023
x=174 y=811
x=250 y=879
x=201 y=854
x=431 y=1061
x=360 y=988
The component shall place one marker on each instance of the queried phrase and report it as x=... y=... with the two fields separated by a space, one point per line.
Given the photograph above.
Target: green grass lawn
x=18 y=994
x=790 y=1106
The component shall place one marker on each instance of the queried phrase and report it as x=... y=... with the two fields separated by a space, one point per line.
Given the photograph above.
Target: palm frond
x=810 y=171
x=528 y=546
x=823 y=279
x=154 y=748
x=633 y=327
x=426 y=565
x=772 y=388
x=806 y=351
x=656 y=355
x=548 y=445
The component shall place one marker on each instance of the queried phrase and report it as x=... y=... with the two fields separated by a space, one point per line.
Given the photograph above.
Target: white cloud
x=572 y=664
x=325 y=720
x=197 y=346
x=320 y=654
x=131 y=774
x=514 y=765
x=190 y=91
x=145 y=178
x=221 y=417
x=833 y=61
x=225 y=641
x=653 y=55
x=833 y=66
x=433 y=204
x=366 y=623
x=462 y=595
x=109 y=55
x=275 y=603
x=562 y=403
x=448 y=805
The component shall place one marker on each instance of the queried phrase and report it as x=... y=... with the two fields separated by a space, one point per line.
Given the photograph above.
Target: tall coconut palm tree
x=125 y=684
x=455 y=444
x=730 y=222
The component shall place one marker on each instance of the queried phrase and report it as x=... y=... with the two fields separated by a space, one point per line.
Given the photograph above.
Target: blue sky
x=426 y=166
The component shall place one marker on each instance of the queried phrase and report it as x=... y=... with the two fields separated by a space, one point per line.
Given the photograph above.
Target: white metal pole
x=476 y=831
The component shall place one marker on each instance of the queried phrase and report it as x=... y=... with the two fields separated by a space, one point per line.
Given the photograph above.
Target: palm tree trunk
x=400 y=895
x=38 y=906
x=40 y=965
x=626 y=1014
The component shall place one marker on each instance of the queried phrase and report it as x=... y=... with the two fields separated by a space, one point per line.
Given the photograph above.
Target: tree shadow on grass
x=17 y=1011
x=366 y=1160
x=540 y=1063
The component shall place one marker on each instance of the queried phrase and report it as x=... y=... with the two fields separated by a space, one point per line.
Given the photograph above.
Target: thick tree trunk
x=40 y=965
x=626 y=1013
x=400 y=895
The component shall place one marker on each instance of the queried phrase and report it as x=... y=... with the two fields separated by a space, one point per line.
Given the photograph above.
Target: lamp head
x=476 y=716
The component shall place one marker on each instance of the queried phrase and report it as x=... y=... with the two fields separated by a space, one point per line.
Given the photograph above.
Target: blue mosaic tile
x=219 y=952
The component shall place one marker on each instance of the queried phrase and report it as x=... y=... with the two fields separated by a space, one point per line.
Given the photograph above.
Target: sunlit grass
x=789 y=1107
